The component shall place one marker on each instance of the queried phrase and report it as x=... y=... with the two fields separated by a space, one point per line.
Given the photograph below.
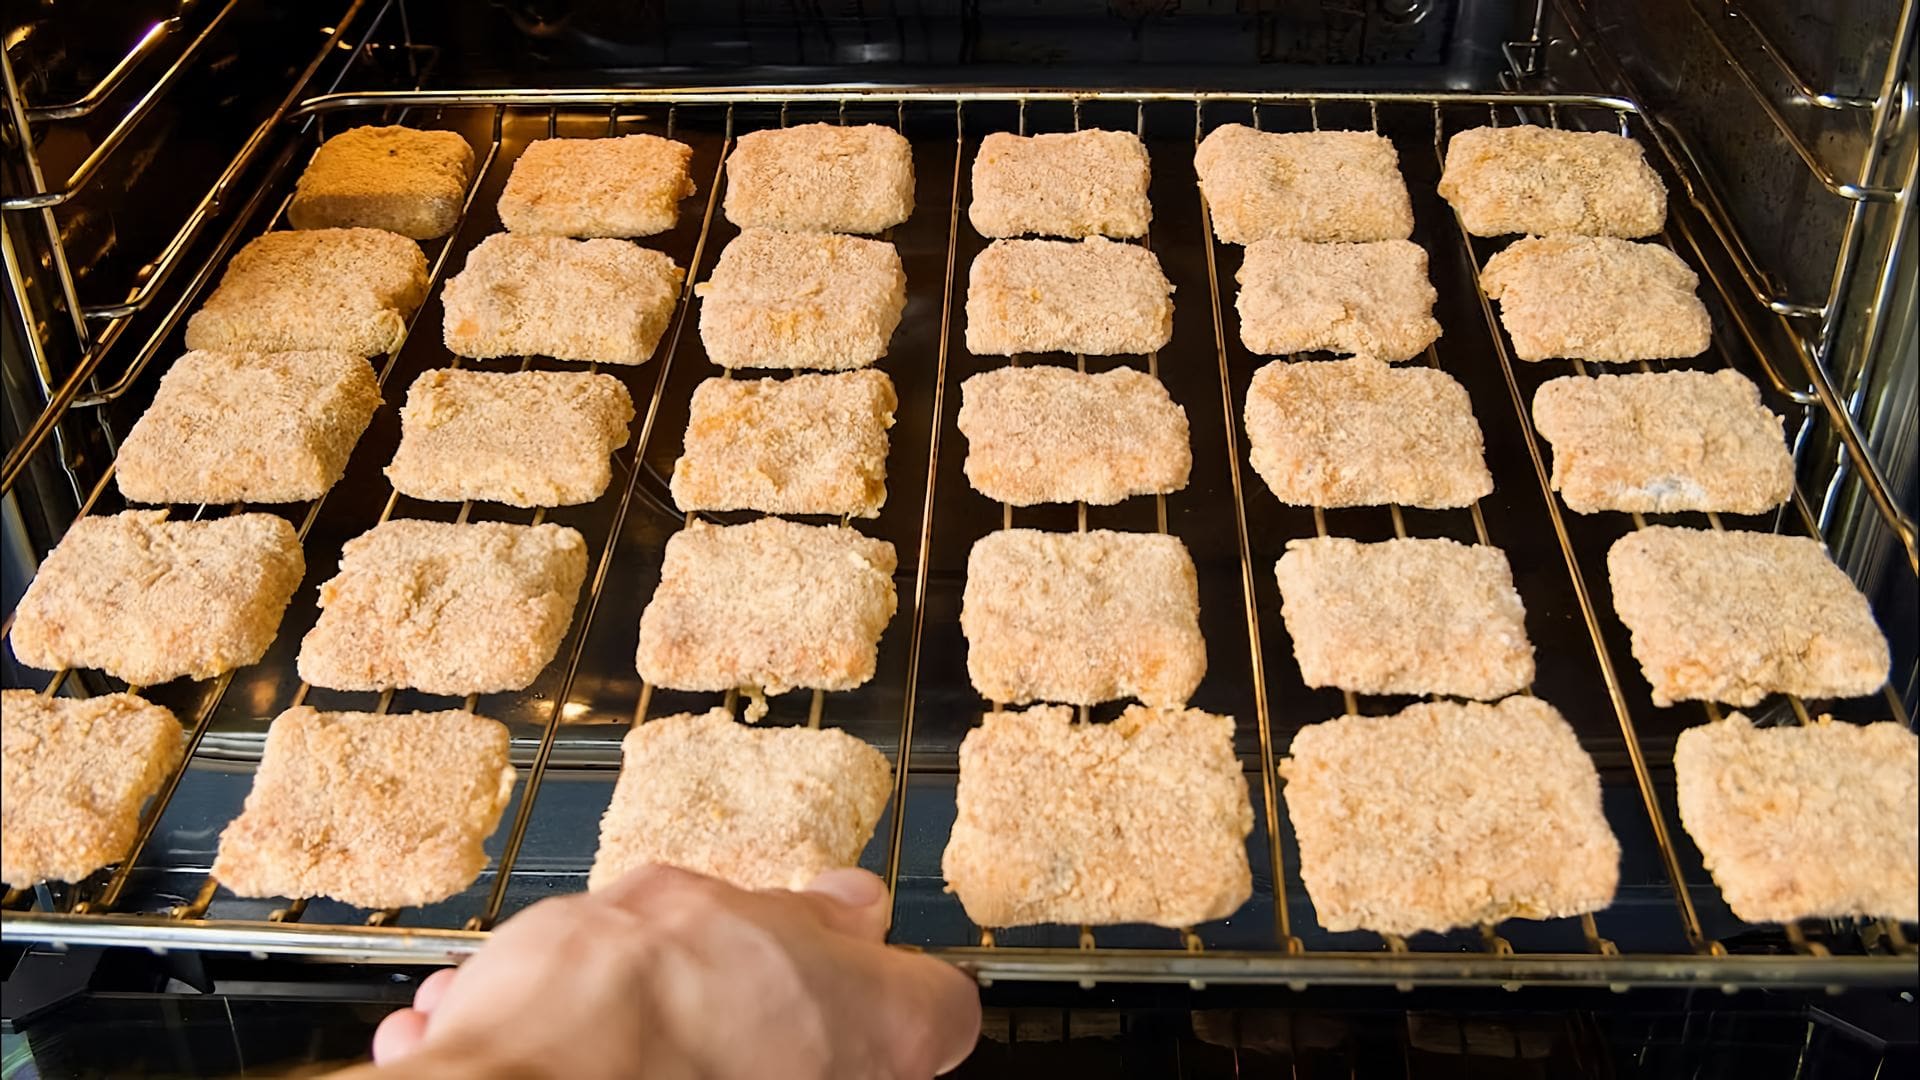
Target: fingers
x=398 y=1035
x=936 y=1013
x=433 y=988
x=853 y=902
x=638 y=887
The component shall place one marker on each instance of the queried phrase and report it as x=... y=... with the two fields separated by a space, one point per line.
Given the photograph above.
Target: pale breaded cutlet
x=1093 y=296
x=1405 y=617
x=307 y=290
x=1545 y=182
x=1734 y=616
x=395 y=178
x=1074 y=184
x=629 y=185
x=1597 y=298
x=1052 y=434
x=149 y=600
x=812 y=444
x=1447 y=815
x=248 y=427
x=601 y=301
x=1820 y=821
x=770 y=604
x=374 y=810
x=852 y=179
x=1323 y=186
x=1143 y=820
x=1082 y=618
x=523 y=438
x=1370 y=299
x=1662 y=442
x=469 y=608
x=76 y=772
x=758 y=808
x=801 y=300
x=1361 y=433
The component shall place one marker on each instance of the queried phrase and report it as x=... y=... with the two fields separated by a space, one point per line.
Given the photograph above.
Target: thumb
x=854 y=902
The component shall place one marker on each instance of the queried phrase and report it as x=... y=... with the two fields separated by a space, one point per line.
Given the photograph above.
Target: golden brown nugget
x=1597 y=298
x=1082 y=618
x=525 y=438
x=1820 y=821
x=801 y=300
x=769 y=604
x=1360 y=299
x=248 y=427
x=1143 y=820
x=1052 y=434
x=630 y=185
x=395 y=178
x=469 y=608
x=1324 y=186
x=1447 y=815
x=852 y=179
x=1094 y=296
x=758 y=808
x=602 y=301
x=1662 y=442
x=149 y=600
x=1360 y=433
x=76 y=772
x=1405 y=617
x=374 y=810
x=812 y=444
x=305 y=290
x=1543 y=181
x=1081 y=183
x=1734 y=616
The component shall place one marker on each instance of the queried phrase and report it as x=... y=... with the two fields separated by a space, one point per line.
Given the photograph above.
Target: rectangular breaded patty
x=770 y=604
x=1074 y=184
x=758 y=808
x=1082 y=618
x=801 y=300
x=469 y=608
x=395 y=178
x=630 y=185
x=1734 y=616
x=76 y=772
x=248 y=427
x=1597 y=298
x=1662 y=442
x=1094 y=296
x=1361 y=433
x=525 y=438
x=852 y=179
x=602 y=301
x=1052 y=434
x=1405 y=617
x=1369 y=299
x=1816 y=821
x=1323 y=186
x=1143 y=820
x=1546 y=182
x=378 y=811
x=812 y=444
x=308 y=290
x=1447 y=815
x=149 y=600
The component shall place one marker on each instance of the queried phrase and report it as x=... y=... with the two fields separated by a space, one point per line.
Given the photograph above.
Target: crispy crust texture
x=148 y=600
x=470 y=608
x=1073 y=184
x=1597 y=298
x=801 y=300
x=1448 y=815
x=1094 y=296
x=1082 y=618
x=394 y=178
x=377 y=811
x=759 y=808
x=852 y=179
x=625 y=186
x=76 y=772
x=1820 y=821
x=305 y=290
x=812 y=444
x=603 y=301
x=1359 y=299
x=1324 y=186
x=1662 y=442
x=1143 y=820
x=1543 y=181
x=1051 y=434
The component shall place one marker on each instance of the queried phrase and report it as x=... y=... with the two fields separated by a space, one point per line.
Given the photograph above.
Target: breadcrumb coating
x=602 y=301
x=1095 y=297
x=313 y=290
x=630 y=185
x=852 y=179
x=1324 y=186
x=1543 y=181
x=1597 y=298
x=812 y=444
x=1074 y=184
x=1052 y=434
x=395 y=178
x=801 y=300
x=1360 y=299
